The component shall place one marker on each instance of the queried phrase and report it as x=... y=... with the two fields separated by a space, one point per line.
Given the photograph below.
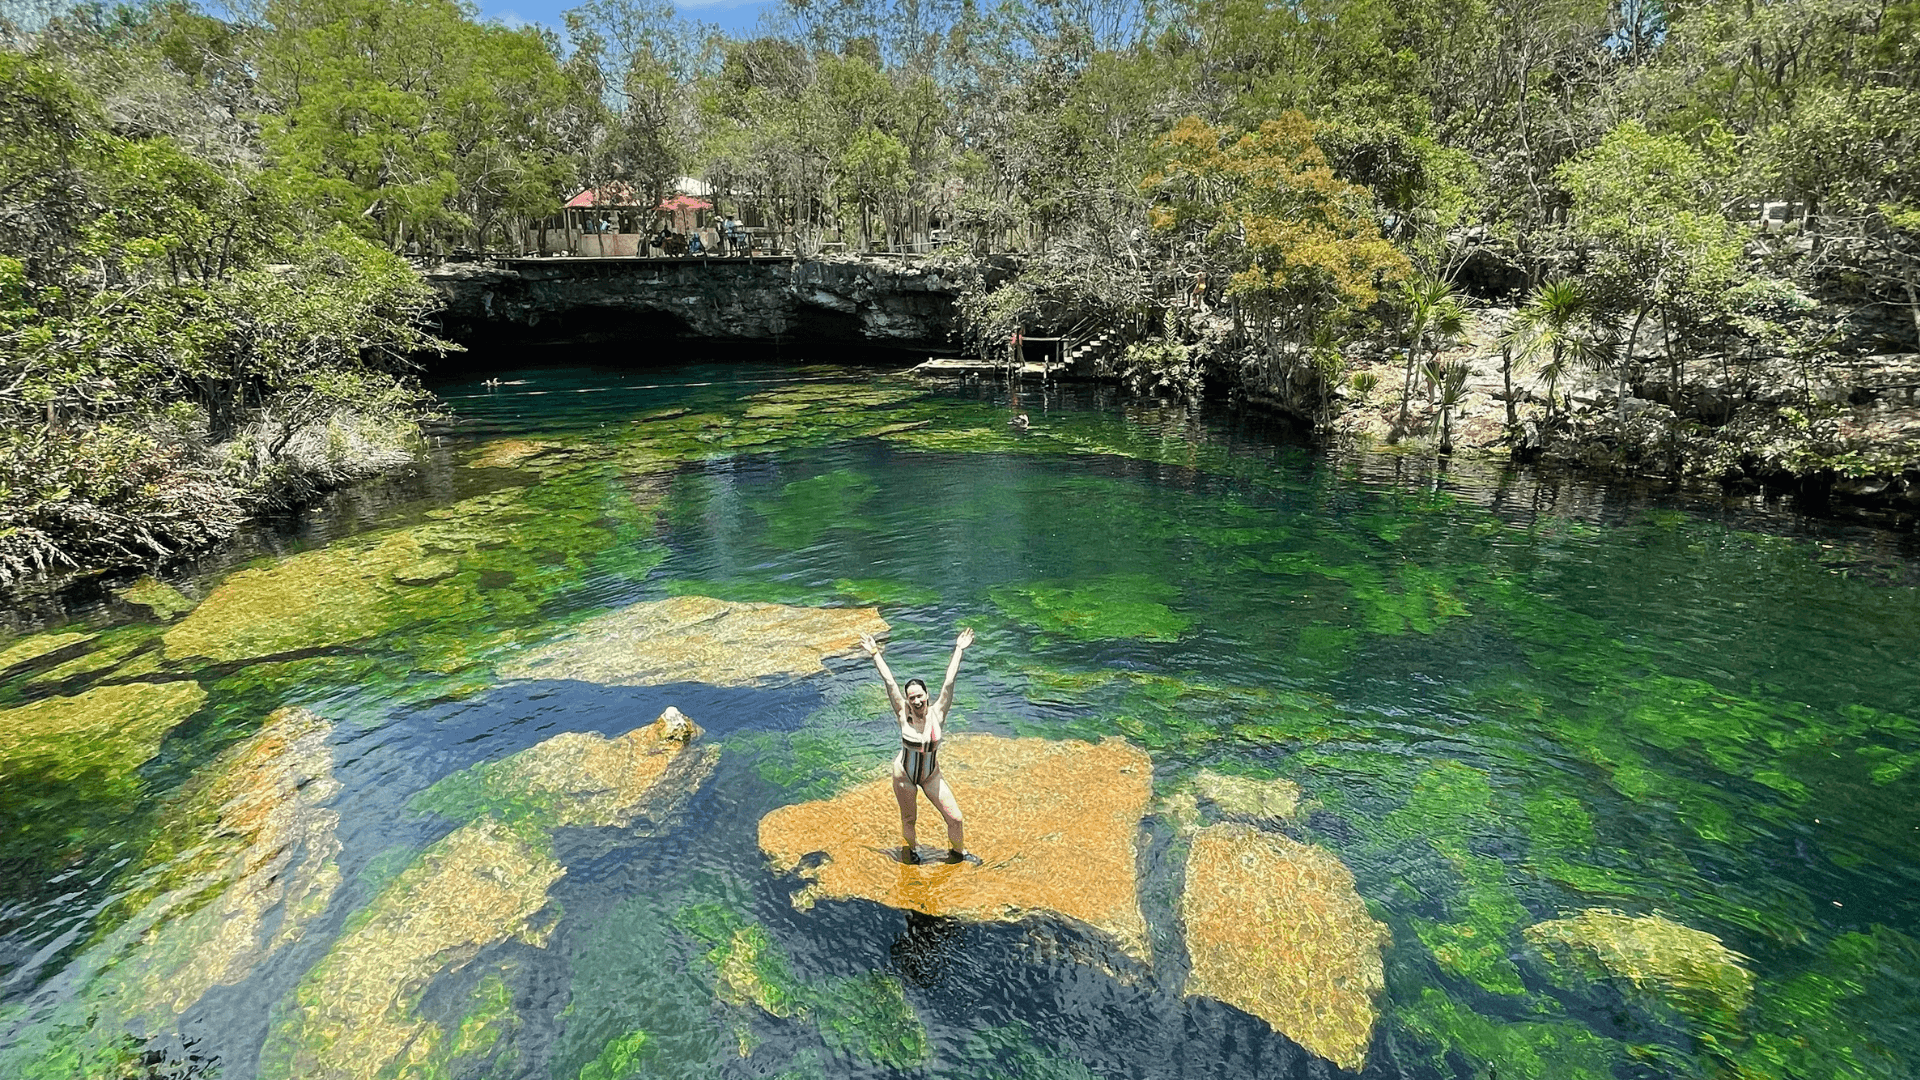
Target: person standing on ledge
x=917 y=767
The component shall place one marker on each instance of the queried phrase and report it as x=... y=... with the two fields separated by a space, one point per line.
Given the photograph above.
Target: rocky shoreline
x=1841 y=435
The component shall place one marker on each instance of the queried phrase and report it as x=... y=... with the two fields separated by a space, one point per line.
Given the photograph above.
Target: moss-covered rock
x=445 y=591
x=240 y=864
x=699 y=639
x=1275 y=927
x=1246 y=798
x=160 y=599
x=507 y=453
x=33 y=646
x=98 y=737
x=355 y=1015
x=249 y=836
x=580 y=778
x=1054 y=824
x=121 y=651
x=1690 y=969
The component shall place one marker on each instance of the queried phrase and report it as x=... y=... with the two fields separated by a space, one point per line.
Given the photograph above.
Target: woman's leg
x=907 y=796
x=942 y=796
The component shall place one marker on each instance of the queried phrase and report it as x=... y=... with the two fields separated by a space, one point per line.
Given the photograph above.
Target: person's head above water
x=916 y=694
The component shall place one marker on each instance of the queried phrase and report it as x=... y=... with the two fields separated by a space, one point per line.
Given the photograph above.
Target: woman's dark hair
x=910 y=684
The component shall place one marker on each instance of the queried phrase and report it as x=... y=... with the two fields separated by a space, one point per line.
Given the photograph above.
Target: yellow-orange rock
x=1274 y=927
x=700 y=639
x=506 y=453
x=356 y=1015
x=1690 y=968
x=250 y=836
x=1054 y=824
x=355 y=1012
x=582 y=777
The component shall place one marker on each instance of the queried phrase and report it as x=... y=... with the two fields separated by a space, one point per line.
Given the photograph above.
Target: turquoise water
x=1507 y=701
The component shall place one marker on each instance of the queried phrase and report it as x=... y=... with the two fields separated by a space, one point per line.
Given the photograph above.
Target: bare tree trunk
x=1506 y=382
x=1626 y=362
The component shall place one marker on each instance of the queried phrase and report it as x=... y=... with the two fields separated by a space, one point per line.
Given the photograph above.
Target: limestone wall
x=870 y=302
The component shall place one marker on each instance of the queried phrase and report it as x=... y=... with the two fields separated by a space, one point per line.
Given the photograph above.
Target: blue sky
x=736 y=17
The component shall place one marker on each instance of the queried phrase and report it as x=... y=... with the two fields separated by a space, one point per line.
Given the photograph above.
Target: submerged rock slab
x=355 y=1015
x=506 y=453
x=700 y=639
x=158 y=597
x=1247 y=798
x=258 y=839
x=101 y=735
x=1274 y=927
x=580 y=778
x=1691 y=969
x=330 y=596
x=1054 y=824
x=34 y=646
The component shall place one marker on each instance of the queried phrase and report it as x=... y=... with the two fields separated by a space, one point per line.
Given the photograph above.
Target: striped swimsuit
x=919 y=760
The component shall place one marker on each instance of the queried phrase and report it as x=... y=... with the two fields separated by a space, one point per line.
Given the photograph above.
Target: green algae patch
x=620 y=1058
x=869 y=1018
x=1402 y=599
x=807 y=508
x=34 y=646
x=748 y=967
x=1120 y=607
x=450 y=591
x=1823 y=1020
x=1181 y=716
x=355 y=1014
x=474 y=1047
x=1449 y=806
x=97 y=737
x=840 y=744
x=862 y=592
x=1688 y=968
x=885 y=592
x=1512 y=1049
x=580 y=778
x=161 y=600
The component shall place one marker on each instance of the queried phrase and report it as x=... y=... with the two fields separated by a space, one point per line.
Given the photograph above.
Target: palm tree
x=1434 y=315
x=1452 y=381
x=1559 y=330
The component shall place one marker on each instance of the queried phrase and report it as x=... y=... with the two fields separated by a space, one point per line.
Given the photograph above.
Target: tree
x=1300 y=247
x=411 y=123
x=1434 y=315
x=1645 y=205
x=1559 y=330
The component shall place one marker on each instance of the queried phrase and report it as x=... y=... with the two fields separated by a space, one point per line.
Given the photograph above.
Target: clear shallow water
x=1508 y=703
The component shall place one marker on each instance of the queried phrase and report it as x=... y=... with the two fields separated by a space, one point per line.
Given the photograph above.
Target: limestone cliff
x=876 y=303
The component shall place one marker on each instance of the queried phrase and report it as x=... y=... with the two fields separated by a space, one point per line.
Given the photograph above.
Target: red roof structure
x=615 y=194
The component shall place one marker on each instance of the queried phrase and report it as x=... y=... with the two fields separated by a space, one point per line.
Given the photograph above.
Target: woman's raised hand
x=867 y=643
x=965 y=639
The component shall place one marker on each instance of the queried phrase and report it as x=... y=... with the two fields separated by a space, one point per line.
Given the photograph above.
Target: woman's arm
x=893 y=689
x=953 y=671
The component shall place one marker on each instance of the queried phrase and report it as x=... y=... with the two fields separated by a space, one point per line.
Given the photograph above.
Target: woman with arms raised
x=917 y=767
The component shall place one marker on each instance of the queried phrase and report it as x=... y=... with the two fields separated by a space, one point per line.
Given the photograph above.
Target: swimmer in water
x=917 y=767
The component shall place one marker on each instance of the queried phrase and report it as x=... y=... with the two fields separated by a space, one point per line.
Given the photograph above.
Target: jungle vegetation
x=206 y=301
